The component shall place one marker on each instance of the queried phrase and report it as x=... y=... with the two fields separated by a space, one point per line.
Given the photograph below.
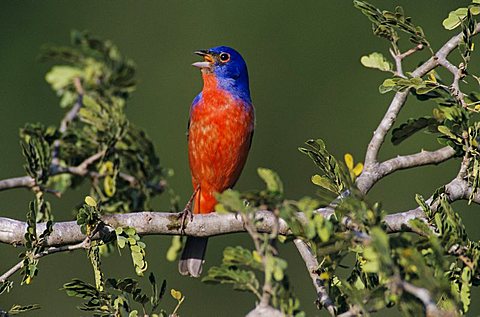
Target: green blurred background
x=306 y=82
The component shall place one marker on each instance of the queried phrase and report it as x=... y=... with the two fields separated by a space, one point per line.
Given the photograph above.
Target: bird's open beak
x=208 y=60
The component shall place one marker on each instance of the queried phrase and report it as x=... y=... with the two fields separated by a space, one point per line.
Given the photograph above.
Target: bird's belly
x=219 y=140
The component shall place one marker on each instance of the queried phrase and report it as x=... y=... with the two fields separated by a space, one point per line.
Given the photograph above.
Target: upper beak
x=208 y=59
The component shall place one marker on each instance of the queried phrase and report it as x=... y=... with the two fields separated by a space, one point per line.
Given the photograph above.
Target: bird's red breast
x=220 y=133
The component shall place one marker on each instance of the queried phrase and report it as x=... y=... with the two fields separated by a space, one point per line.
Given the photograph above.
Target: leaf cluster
x=119 y=297
x=386 y=24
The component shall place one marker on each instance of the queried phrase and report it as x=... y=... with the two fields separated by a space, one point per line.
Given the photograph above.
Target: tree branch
x=69 y=117
x=164 y=223
x=323 y=299
x=457 y=189
x=17 y=182
x=458 y=74
x=79 y=170
x=367 y=179
x=29 y=182
x=82 y=245
x=424 y=296
x=371 y=156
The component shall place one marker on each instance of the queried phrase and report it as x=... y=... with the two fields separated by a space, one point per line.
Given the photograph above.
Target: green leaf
x=385 y=24
x=17 y=309
x=242 y=280
x=271 y=179
x=323 y=182
x=465 y=289
x=61 y=76
x=230 y=201
x=174 y=249
x=6 y=286
x=376 y=60
x=455 y=18
x=239 y=256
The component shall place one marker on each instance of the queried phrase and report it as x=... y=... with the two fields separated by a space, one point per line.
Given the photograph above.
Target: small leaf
x=176 y=294
x=231 y=201
x=455 y=18
x=17 y=309
x=348 y=160
x=377 y=61
x=175 y=248
x=271 y=179
x=357 y=170
x=323 y=182
x=90 y=201
x=61 y=76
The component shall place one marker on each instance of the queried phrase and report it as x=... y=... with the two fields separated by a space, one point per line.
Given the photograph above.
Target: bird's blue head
x=229 y=69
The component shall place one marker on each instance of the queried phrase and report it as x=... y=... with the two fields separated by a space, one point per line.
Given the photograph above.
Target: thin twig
x=417 y=48
x=398 y=64
x=458 y=75
x=323 y=299
x=68 y=118
x=80 y=170
x=423 y=295
x=82 y=245
x=399 y=57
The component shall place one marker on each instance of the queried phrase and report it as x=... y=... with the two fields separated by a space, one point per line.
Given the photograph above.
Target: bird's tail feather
x=191 y=261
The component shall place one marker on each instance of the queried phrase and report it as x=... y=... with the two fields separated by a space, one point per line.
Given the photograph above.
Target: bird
x=220 y=131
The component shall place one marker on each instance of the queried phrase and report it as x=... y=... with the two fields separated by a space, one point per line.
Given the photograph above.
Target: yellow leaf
x=324 y=276
x=257 y=257
x=28 y=280
x=176 y=294
x=357 y=170
x=349 y=160
x=106 y=168
x=109 y=186
x=90 y=201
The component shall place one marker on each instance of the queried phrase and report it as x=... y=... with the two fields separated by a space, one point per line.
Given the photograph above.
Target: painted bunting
x=220 y=131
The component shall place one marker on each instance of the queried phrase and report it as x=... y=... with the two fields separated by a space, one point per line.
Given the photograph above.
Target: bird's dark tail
x=191 y=261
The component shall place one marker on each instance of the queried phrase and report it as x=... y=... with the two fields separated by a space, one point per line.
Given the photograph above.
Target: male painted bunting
x=220 y=131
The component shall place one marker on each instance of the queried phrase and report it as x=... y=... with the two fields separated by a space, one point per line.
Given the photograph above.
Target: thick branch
x=17 y=182
x=370 y=177
x=156 y=223
x=162 y=223
x=383 y=128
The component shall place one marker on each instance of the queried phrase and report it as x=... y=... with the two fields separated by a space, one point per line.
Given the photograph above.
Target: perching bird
x=220 y=131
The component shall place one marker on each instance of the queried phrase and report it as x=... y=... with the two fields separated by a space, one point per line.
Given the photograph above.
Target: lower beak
x=208 y=59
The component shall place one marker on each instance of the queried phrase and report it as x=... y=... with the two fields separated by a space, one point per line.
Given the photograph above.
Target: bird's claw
x=183 y=216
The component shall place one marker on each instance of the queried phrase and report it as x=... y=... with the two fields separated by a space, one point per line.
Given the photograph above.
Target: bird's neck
x=237 y=89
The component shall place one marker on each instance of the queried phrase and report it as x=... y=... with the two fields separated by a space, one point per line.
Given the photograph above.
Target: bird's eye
x=224 y=57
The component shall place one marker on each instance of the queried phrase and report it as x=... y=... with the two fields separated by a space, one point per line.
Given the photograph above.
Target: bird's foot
x=184 y=215
x=187 y=211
